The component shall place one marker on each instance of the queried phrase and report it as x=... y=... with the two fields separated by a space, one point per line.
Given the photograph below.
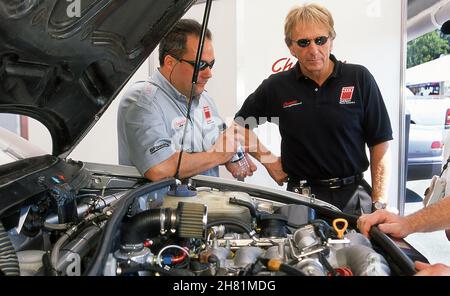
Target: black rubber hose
x=249 y=205
x=289 y=270
x=247 y=228
x=381 y=240
x=327 y=264
x=9 y=264
x=144 y=225
x=323 y=229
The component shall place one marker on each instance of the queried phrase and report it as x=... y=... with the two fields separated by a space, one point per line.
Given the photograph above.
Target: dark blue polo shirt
x=323 y=129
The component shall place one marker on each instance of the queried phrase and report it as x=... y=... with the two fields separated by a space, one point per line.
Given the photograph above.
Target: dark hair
x=174 y=43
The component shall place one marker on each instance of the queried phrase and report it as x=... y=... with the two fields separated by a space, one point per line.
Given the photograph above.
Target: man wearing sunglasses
x=327 y=111
x=152 y=116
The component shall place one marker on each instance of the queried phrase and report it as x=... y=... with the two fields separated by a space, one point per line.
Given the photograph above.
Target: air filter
x=192 y=219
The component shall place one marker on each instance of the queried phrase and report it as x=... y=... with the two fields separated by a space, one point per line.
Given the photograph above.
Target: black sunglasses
x=202 y=66
x=306 y=42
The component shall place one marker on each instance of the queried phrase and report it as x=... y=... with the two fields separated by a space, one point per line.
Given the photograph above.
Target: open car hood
x=63 y=69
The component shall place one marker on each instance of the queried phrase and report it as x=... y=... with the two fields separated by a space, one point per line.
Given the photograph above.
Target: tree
x=446 y=37
x=426 y=48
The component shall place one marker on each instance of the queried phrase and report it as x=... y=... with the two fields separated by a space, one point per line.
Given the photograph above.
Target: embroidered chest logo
x=290 y=104
x=207 y=114
x=347 y=95
x=178 y=122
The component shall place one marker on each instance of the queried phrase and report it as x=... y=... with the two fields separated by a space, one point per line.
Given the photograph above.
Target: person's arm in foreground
x=432 y=218
x=438 y=269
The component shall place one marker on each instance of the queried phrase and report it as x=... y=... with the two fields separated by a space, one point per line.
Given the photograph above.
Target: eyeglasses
x=306 y=42
x=202 y=66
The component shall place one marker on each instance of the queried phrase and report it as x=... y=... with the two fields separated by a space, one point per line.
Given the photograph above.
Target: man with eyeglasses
x=327 y=111
x=152 y=115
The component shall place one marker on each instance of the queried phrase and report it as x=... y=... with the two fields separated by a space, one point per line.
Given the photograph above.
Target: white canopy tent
x=425 y=16
x=433 y=71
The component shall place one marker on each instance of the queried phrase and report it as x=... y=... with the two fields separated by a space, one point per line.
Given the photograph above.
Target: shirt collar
x=336 y=69
x=162 y=82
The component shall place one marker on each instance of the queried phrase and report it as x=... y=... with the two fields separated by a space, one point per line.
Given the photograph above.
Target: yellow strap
x=340 y=230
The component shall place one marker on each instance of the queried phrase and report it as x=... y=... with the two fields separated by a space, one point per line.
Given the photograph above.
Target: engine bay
x=86 y=222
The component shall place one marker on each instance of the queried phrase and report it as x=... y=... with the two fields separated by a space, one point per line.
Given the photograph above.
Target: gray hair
x=306 y=14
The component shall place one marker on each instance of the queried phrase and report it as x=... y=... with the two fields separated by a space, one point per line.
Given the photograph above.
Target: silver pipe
x=80 y=246
x=59 y=243
x=82 y=209
x=363 y=261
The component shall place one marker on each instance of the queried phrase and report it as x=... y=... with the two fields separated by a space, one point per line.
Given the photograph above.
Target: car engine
x=98 y=224
x=230 y=233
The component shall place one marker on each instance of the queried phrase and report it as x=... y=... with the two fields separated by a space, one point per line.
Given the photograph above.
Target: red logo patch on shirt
x=292 y=103
x=346 y=95
x=207 y=114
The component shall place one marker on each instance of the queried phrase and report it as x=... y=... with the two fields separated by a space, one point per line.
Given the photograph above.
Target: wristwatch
x=378 y=205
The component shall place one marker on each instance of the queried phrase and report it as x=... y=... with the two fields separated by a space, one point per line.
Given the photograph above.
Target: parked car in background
x=431 y=111
x=424 y=152
x=429 y=123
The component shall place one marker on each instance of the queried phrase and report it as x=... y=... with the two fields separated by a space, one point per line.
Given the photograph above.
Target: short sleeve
x=256 y=109
x=377 y=125
x=149 y=141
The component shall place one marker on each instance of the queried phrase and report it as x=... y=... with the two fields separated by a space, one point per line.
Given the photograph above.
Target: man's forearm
x=191 y=164
x=195 y=163
x=264 y=156
x=271 y=162
x=432 y=218
x=379 y=168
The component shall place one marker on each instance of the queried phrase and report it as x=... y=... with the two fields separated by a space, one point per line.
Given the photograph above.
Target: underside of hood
x=63 y=62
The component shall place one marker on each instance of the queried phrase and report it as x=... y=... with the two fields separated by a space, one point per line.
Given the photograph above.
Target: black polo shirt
x=323 y=129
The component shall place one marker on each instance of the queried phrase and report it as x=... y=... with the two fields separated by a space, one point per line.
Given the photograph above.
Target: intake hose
x=9 y=264
x=146 y=224
x=188 y=220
